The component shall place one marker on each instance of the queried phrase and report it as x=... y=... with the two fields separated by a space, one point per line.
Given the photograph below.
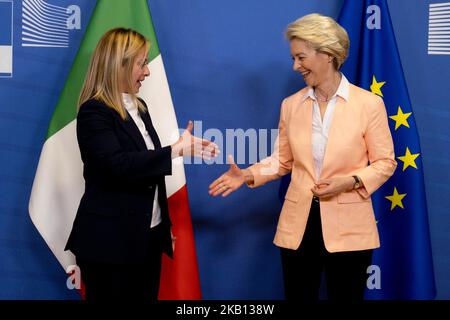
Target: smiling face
x=312 y=65
x=139 y=72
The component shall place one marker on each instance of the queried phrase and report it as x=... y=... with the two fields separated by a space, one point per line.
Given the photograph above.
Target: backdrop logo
x=439 y=28
x=6 y=39
x=47 y=25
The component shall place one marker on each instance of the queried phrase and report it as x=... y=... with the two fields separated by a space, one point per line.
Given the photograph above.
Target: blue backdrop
x=229 y=66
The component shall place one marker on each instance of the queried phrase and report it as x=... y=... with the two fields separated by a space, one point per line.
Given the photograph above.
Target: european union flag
x=404 y=258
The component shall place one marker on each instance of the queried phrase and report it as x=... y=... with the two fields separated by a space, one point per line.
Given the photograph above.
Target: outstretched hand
x=229 y=181
x=189 y=145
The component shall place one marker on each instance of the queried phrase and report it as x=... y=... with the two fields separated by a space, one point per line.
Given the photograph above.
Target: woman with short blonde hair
x=323 y=34
x=329 y=132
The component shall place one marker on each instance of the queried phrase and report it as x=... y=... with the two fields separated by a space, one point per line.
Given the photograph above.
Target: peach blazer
x=359 y=135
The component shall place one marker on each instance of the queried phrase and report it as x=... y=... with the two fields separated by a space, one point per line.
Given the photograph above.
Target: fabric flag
x=404 y=258
x=59 y=184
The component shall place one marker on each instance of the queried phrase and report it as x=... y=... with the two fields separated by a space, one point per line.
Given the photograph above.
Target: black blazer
x=112 y=223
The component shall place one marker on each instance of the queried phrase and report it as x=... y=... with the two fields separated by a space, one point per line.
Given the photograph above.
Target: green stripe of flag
x=108 y=14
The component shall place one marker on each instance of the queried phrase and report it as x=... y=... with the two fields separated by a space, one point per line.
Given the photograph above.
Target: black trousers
x=138 y=282
x=345 y=272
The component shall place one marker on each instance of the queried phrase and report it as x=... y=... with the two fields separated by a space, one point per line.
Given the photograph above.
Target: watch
x=357 y=183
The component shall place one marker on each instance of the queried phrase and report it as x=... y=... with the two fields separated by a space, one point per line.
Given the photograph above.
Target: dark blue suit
x=112 y=225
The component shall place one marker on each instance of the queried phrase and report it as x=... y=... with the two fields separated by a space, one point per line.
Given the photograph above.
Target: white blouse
x=321 y=128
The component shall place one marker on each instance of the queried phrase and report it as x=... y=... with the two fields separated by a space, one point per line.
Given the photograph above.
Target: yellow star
x=409 y=159
x=401 y=118
x=396 y=199
x=375 y=87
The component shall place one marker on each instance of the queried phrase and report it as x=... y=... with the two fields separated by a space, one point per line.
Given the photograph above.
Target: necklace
x=323 y=100
x=331 y=96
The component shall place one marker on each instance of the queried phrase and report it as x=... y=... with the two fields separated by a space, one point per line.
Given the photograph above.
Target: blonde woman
x=122 y=225
x=335 y=139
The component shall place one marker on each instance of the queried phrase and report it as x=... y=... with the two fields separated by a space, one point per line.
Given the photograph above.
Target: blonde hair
x=324 y=35
x=113 y=60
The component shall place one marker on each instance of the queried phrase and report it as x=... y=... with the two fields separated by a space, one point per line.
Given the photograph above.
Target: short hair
x=113 y=60
x=324 y=35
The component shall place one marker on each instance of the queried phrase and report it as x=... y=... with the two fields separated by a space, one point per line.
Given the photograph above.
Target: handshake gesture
x=189 y=145
x=231 y=180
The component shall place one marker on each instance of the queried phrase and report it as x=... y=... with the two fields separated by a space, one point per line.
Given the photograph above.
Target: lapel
x=300 y=133
x=309 y=164
x=337 y=122
x=150 y=128
x=155 y=139
x=132 y=130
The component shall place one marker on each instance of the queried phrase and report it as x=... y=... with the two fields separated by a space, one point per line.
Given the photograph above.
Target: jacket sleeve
x=380 y=149
x=101 y=149
x=279 y=163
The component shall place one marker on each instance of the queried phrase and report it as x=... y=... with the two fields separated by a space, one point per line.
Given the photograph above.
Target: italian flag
x=59 y=185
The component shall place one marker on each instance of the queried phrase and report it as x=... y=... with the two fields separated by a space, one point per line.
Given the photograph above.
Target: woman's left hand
x=332 y=187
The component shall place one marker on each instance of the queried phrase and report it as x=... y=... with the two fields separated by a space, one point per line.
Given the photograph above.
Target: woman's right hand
x=230 y=180
x=189 y=145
